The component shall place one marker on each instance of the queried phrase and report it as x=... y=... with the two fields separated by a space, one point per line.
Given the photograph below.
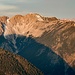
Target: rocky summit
x=47 y=42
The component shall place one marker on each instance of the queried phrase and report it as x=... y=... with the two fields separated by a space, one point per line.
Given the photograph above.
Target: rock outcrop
x=11 y=64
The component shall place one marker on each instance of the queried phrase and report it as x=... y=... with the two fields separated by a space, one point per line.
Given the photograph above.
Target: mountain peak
x=34 y=16
x=15 y=19
x=3 y=19
x=31 y=24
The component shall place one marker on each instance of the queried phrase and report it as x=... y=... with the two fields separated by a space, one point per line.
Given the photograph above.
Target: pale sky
x=57 y=8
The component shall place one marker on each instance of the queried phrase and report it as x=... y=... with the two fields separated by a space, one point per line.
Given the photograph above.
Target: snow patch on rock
x=8 y=20
x=39 y=18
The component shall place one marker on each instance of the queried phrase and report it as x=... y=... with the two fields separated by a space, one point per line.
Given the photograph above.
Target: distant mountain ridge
x=27 y=25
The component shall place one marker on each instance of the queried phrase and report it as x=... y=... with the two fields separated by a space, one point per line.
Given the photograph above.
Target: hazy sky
x=58 y=8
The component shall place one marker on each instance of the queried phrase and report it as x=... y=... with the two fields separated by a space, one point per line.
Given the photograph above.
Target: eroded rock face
x=61 y=38
x=59 y=35
x=3 y=20
x=28 y=25
x=11 y=64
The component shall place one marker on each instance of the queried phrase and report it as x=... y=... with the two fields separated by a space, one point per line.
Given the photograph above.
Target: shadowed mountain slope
x=11 y=64
x=38 y=54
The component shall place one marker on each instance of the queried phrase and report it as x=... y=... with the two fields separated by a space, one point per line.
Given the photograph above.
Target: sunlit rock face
x=3 y=21
x=28 y=25
x=21 y=34
x=61 y=38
